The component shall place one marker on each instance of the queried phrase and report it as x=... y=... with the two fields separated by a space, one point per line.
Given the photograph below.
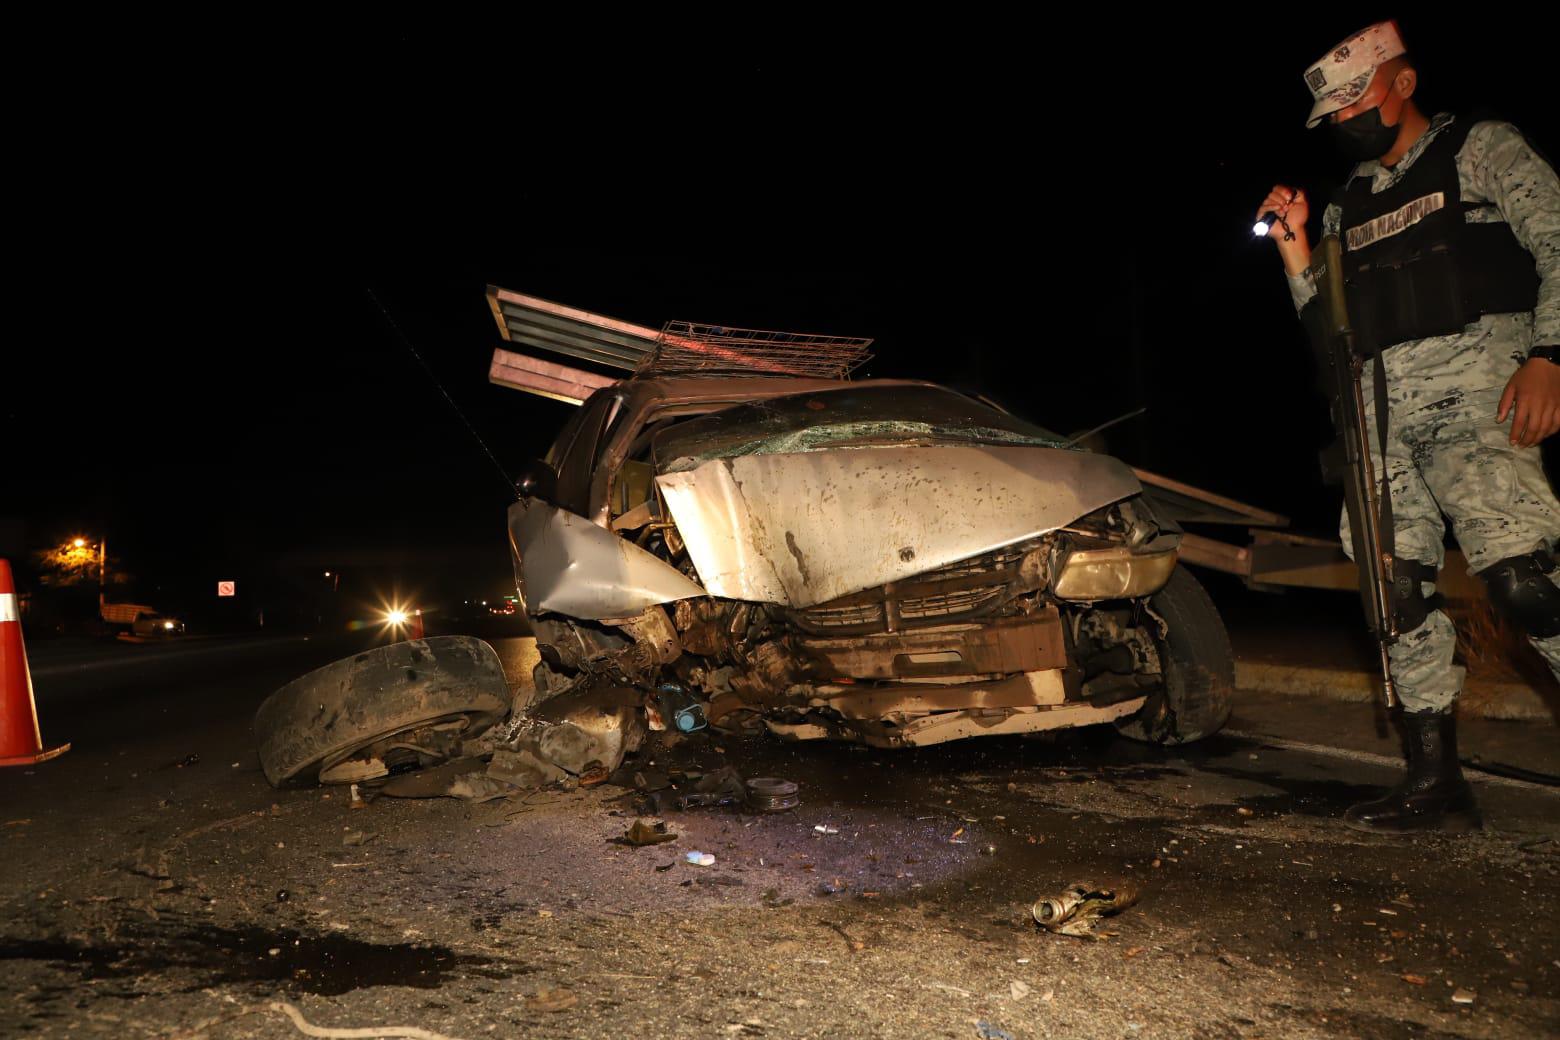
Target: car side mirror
x=537 y=480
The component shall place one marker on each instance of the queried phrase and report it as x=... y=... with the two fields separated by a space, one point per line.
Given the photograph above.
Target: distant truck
x=137 y=621
x=125 y=614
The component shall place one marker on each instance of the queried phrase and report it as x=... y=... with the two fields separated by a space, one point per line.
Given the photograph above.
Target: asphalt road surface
x=154 y=885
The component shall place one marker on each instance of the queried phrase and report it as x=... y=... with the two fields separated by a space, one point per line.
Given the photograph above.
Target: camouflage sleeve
x=1497 y=165
x=1302 y=287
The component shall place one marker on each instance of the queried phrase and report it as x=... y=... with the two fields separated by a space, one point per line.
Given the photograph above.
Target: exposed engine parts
x=902 y=662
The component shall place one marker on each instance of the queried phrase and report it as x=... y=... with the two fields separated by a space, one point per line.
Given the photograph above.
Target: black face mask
x=1364 y=136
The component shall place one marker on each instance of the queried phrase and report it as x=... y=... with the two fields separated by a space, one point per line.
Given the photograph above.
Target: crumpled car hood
x=803 y=528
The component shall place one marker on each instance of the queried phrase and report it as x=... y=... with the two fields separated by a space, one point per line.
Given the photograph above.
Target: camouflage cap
x=1344 y=74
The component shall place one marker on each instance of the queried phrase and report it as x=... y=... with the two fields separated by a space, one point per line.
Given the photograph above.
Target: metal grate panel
x=689 y=348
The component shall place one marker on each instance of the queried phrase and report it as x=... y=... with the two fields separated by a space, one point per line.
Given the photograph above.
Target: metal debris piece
x=770 y=794
x=991 y=1032
x=700 y=859
x=1462 y=996
x=823 y=828
x=645 y=832
x=1077 y=911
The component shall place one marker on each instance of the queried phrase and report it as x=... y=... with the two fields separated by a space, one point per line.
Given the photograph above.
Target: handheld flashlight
x=1265 y=223
x=1263 y=226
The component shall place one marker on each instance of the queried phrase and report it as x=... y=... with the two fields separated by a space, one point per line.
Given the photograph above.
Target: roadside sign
x=226 y=588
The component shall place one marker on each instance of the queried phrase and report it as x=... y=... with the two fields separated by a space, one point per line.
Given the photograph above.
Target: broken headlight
x=1114 y=573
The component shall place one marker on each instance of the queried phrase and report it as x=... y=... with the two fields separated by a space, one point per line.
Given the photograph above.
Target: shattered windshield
x=843 y=418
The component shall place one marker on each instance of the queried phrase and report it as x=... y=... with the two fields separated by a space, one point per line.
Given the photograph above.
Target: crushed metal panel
x=545 y=325
x=544 y=378
x=997 y=645
x=568 y=565
x=804 y=528
x=956 y=725
x=1025 y=690
x=940 y=727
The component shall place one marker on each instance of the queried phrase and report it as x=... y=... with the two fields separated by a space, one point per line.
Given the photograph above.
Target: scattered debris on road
x=769 y=794
x=647 y=832
x=1077 y=911
x=307 y=1028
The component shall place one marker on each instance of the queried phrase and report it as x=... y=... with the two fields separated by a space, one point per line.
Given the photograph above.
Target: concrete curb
x=1480 y=699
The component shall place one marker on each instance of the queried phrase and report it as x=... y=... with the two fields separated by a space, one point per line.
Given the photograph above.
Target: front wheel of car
x=356 y=718
x=1198 y=664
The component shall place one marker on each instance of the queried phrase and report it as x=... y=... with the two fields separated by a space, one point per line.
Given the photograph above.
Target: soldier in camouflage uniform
x=1451 y=235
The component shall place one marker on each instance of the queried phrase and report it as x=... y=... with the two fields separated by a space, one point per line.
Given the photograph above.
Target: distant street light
x=80 y=543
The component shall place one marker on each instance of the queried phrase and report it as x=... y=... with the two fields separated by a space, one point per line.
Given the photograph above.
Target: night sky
x=1057 y=217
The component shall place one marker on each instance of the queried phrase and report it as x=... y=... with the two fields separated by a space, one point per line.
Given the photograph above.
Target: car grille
x=967 y=589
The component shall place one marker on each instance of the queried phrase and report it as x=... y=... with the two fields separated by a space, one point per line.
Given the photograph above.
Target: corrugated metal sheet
x=545 y=325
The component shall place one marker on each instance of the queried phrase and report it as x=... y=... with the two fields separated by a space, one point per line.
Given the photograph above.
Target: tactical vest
x=1414 y=266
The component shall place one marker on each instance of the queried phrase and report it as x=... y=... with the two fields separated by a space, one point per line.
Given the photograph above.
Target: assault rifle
x=1350 y=459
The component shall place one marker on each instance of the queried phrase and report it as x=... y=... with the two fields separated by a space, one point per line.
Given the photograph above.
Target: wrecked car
x=880 y=561
x=739 y=536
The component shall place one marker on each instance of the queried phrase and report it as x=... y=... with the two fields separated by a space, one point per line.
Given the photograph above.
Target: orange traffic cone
x=20 y=742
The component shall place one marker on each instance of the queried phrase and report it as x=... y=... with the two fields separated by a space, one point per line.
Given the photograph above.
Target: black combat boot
x=1434 y=795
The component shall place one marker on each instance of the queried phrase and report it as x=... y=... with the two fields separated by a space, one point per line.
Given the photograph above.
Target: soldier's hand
x=1290 y=204
x=1532 y=398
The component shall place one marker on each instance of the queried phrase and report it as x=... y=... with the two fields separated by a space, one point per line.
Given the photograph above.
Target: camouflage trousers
x=1446 y=455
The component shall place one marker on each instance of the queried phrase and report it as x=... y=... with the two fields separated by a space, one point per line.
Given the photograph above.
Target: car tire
x=324 y=716
x=1199 y=668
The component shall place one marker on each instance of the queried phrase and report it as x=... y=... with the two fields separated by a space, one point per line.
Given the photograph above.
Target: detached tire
x=1199 y=668
x=324 y=716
